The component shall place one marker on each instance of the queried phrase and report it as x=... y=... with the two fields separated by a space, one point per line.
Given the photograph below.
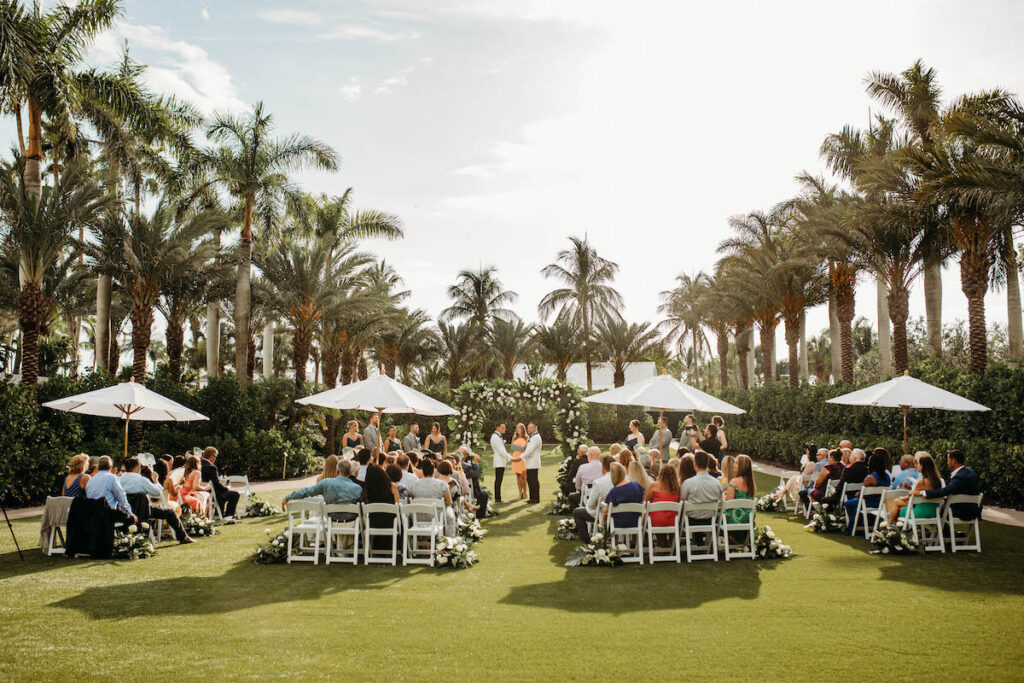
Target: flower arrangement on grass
x=134 y=543
x=826 y=519
x=600 y=552
x=454 y=552
x=768 y=502
x=470 y=528
x=257 y=507
x=195 y=523
x=893 y=539
x=768 y=546
x=561 y=505
x=566 y=529
x=274 y=551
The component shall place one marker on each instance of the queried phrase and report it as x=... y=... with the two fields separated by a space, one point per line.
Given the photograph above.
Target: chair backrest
x=238 y=480
x=664 y=506
x=690 y=506
x=301 y=510
x=57 y=508
x=341 y=508
x=378 y=508
x=866 y=491
x=739 y=504
x=851 y=488
x=962 y=499
x=422 y=507
x=892 y=494
x=617 y=508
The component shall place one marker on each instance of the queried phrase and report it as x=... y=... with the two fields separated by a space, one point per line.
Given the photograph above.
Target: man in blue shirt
x=133 y=482
x=335 y=490
x=106 y=486
x=908 y=471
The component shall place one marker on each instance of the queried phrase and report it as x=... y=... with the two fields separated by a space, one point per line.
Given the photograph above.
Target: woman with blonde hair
x=519 y=441
x=614 y=449
x=330 y=468
x=193 y=491
x=728 y=470
x=353 y=439
x=75 y=481
x=635 y=471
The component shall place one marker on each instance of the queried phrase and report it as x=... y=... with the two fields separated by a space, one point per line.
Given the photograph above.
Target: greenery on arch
x=476 y=401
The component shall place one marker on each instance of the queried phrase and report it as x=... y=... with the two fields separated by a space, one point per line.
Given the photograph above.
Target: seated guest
x=378 y=488
x=878 y=475
x=177 y=469
x=638 y=475
x=854 y=474
x=740 y=487
x=702 y=487
x=928 y=480
x=614 y=449
x=404 y=463
x=832 y=470
x=363 y=457
x=728 y=469
x=587 y=474
x=656 y=461
x=568 y=484
x=845 y=445
x=471 y=471
x=133 y=481
x=75 y=481
x=808 y=455
x=962 y=482
x=792 y=486
x=104 y=485
x=590 y=507
x=623 y=491
x=193 y=491
x=394 y=473
x=335 y=490
x=821 y=459
x=647 y=462
x=226 y=498
x=664 y=490
x=624 y=457
x=162 y=467
x=687 y=467
x=909 y=472
x=330 y=468
x=428 y=487
x=847 y=456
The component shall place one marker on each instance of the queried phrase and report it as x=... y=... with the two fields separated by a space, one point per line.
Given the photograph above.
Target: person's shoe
x=187 y=539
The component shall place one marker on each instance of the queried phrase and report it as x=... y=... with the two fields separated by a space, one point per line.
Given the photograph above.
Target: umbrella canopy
x=664 y=393
x=907 y=392
x=379 y=394
x=128 y=401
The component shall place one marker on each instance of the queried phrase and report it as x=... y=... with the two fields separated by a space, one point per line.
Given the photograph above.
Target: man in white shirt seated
x=133 y=482
x=588 y=473
x=405 y=464
x=701 y=488
x=592 y=505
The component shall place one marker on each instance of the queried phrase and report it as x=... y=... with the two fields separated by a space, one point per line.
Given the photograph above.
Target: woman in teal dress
x=928 y=481
x=740 y=487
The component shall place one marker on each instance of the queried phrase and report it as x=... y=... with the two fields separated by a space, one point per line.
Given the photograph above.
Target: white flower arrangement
x=768 y=546
x=600 y=552
x=257 y=507
x=274 y=551
x=893 y=539
x=768 y=502
x=826 y=520
x=133 y=545
x=566 y=529
x=470 y=528
x=454 y=552
x=196 y=524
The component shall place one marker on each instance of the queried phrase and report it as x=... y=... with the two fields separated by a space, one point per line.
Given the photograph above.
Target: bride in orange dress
x=193 y=491
x=519 y=441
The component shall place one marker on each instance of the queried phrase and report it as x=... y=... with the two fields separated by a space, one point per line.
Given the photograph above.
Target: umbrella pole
x=127 y=419
x=661 y=416
x=904 y=430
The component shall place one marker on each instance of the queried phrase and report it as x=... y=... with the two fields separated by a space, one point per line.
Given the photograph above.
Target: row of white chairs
x=711 y=522
x=926 y=529
x=413 y=532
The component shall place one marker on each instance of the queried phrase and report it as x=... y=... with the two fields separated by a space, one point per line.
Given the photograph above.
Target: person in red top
x=664 y=490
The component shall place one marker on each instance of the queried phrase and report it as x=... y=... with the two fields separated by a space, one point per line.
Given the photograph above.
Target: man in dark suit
x=855 y=473
x=581 y=459
x=962 y=481
x=226 y=498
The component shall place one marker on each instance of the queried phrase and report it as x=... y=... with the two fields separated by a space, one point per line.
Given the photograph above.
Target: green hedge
x=781 y=422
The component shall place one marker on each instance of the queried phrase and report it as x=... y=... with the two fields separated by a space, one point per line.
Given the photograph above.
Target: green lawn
x=206 y=610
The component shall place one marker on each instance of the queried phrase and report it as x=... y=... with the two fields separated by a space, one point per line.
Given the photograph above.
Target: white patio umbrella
x=128 y=401
x=907 y=392
x=379 y=394
x=664 y=393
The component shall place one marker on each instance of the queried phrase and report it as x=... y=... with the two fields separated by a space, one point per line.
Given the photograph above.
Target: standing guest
x=635 y=437
x=193 y=492
x=687 y=432
x=330 y=468
x=411 y=442
x=664 y=490
x=740 y=487
x=436 y=442
x=687 y=467
x=728 y=470
x=624 y=491
x=226 y=498
x=76 y=479
x=363 y=457
x=709 y=444
x=661 y=439
x=105 y=486
x=635 y=472
x=404 y=463
x=702 y=487
x=929 y=480
x=353 y=439
x=962 y=481
x=590 y=508
x=878 y=475
x=909 y=471
x=500 y=458
x=133 y=481
x=519 y=441
x=568 y=484
x=586 y=475
x=531 y=459
x=392 y=444
x=720 y=433
x=371 y=435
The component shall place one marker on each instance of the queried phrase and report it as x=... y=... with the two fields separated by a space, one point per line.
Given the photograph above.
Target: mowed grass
x=206 y=611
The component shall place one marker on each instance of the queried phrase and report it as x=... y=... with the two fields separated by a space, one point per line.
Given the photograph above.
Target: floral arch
x=475 y=400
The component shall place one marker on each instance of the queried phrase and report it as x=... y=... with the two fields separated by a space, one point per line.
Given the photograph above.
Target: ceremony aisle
x=519 y=614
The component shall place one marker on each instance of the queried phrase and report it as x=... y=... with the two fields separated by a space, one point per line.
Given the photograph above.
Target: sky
x=496 y=130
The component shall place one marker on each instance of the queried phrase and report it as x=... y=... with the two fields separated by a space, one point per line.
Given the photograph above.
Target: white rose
x=132 y=529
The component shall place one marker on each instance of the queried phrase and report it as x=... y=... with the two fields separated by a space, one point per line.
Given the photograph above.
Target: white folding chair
x=927 y=529
x=371 y=556
x=305 y=524
x=973 y=528
x=672 y=553
x=844 y=495
x=214 y=511
x=156 y=530
x=240 y=483
x=864 y=513
x=746 y=527
x=57 y=509
x=632 y=535
x=700 y=526
x=783 y=479
x=807 y=482
x=338 y=532
x=420 y=524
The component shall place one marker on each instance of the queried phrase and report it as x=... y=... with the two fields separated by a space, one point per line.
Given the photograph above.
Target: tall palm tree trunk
x=933 y=305
x=723 y=357
x=750 y=357
x=767 y=352
x=1014 y=319
x=301 y=340
x=268 y=350
x=586 y=348
x=884 y=338
x=845 y=309
x=898 y=303
x=175 y=337
x=742 y=350
x=250 y=355
x=142 y=328
x=212 y=340
x=834 y=337
x=21 y=128
x=104 y=285
x=363 y=368
x=974 y=268
x=805 y=368
x=34 y=153
x=31 y=304
x=348 y=366
x=792 y=328
x=243 y=296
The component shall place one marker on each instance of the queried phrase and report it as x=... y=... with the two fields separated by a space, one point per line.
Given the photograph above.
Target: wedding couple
x=524 y=459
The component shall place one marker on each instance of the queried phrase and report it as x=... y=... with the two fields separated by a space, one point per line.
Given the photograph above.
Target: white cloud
x=477 y=171
x=352 y=90
x=388 y=85
x=360 y=32
x=205 y=14
x=289 y=16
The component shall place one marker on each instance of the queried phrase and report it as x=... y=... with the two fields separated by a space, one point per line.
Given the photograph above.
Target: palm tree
x=156 y=250
x=624 y=343
x=558 y=344
x=458 y=352
x=478 y=297
x=684 y=316
x=915 y=96
x=37 y=232
x=819 y=356
x=512 y=344
x=251 y=164
x=588 y=297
